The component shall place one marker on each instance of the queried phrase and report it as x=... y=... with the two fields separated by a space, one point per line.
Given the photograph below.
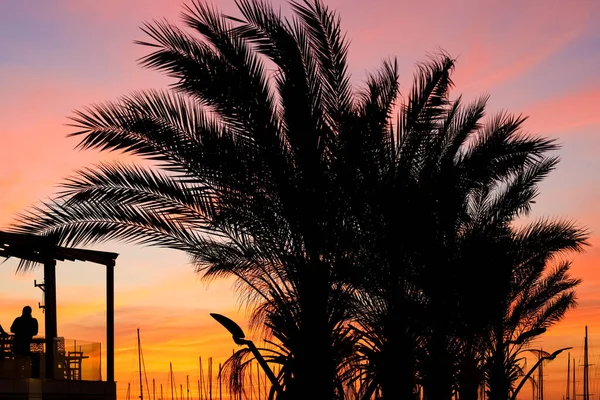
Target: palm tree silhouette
x=354 y=235
x=241 y=176
x=536 y=294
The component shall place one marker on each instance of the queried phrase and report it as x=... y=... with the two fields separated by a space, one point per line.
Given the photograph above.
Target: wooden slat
x=38 y=248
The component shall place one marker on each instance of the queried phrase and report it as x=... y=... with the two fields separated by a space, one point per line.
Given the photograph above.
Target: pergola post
x=110 y=322
x=50 y=314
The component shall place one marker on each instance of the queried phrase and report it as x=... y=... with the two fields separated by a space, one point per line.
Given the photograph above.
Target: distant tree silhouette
x=379 y=249
x=531 y=290
x=535 y=293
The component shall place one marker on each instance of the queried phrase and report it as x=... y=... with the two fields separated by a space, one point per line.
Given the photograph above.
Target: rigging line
x=206 y=396
x=203 y=390
x=139 y=349
x=174 y=383
x=144 y=368
x=131 y=365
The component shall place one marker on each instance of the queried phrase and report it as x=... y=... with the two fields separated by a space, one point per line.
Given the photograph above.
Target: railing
x=74 y=360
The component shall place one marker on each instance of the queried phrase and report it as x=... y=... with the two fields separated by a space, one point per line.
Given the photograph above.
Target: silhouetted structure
x=32 y=249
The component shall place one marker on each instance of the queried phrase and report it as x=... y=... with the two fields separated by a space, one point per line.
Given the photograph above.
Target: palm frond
x=133 y=185
x=461 y=126
x=92 y=222
x=214 y=75
x=424 y=110
x=502 y=149
x=516 y=196
x=329 y=47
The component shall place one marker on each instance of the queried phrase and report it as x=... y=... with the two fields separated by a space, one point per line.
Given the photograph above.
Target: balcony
x=64 y=372
x=77 y=372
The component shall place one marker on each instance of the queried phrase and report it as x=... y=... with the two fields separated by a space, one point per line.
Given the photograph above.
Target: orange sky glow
x=538 y=57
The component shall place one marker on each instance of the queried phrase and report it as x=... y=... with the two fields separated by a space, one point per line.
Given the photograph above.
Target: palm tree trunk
x=439 y=371
x=314 y=366
x=398 y=370
x=397 y=377
x=469 y=378
x=498 y=383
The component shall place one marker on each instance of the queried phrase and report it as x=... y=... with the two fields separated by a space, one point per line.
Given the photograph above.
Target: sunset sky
x=536 y=57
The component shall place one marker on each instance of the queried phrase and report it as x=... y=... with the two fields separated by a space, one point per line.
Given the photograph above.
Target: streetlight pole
x=535 y=366
x=239 y=338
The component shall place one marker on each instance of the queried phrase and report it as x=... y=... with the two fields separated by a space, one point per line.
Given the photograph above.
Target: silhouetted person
x=25 y=328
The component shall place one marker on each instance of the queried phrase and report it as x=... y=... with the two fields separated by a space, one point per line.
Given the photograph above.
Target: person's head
x=27 y=311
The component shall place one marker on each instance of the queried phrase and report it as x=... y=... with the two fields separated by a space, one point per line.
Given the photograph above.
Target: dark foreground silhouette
x=24 y=328
x=372 y=235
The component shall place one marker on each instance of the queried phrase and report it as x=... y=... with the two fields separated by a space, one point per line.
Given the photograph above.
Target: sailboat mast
x=568 y=375
x=210 y=378
x=258 y=381
x=201 y=378
x=574 y=386
x=251 y=385
x=220 y=383
x=265 y=384
x=541 y=379
x=171 y=377
x=140 y=364
x=586 y=389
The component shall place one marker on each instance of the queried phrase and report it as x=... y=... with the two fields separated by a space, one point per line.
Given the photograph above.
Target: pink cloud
x=572 y=111
x=482 y=65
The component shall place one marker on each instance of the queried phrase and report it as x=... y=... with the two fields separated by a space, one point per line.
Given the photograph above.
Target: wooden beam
x=31 y=247
x=110 y=322
x=50 y=315
x=24 y=254
x=97 y=257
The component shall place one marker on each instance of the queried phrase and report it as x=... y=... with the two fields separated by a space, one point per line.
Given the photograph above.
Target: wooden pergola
x=43 y=250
